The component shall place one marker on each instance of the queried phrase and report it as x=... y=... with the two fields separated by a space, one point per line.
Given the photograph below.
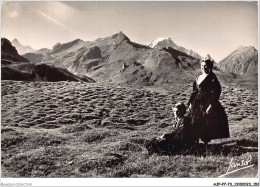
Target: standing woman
x=208 y=118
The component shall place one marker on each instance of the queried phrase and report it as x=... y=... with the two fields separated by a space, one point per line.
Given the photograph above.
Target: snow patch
x=156 y=41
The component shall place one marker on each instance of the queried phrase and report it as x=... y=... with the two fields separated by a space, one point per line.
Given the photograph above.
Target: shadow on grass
x=229 y=148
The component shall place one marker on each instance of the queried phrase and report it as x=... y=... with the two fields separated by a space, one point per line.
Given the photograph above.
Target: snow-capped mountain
x=160 y=43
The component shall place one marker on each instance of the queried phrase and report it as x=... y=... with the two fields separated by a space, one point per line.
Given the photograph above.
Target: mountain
x=39 y=72
x=16 y=67
x=167 y=42
x=59 y=48
x=184 y=60
x=242 y=61
x=9 y=53
x=34 y=57
x=45 y=54
x=43 y=51
x=20 y=48
x=117 y=59
x=39 y=55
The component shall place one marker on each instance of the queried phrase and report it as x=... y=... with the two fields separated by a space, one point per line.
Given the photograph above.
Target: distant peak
x=246 y=47
x=56 y=45
x=3 y=39
x=120 y=34
x=120 y=37
x=161 y=39
x=77 y=40
x=15 y=41
x=241 y=47
x=252 y=47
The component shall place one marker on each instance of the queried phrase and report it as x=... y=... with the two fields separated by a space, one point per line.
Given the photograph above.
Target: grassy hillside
x=73 y=129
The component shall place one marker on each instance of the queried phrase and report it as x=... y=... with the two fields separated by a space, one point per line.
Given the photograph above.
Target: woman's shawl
x=214 y=124
x=210 y=85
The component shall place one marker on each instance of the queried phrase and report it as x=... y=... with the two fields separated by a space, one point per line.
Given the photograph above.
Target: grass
x=68 y=129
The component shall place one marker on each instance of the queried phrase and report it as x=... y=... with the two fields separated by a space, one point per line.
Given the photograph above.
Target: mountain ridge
x=16 y=67
x=119 y=60
x=21 y=49
x=241 y=61
x=116 y=58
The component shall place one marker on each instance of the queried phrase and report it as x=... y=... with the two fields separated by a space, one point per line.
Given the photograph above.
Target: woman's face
x=178 y=113
x=204 y=68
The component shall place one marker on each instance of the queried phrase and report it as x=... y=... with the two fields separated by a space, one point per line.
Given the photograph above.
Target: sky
x=214 y=28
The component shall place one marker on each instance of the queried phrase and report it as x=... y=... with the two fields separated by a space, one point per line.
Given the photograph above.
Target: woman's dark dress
x=213 y=125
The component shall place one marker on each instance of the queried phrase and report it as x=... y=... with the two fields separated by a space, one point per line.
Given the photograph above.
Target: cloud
x=53 y=20
x=13 y=14
x=56 y=22
x=11 y=9
x=45 y=8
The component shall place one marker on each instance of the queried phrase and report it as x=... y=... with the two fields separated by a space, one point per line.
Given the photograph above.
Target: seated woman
x=180 y=138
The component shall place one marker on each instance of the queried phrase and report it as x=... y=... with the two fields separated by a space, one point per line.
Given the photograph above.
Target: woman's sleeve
x=215 y=90
x=194 y=90
x=195 y=86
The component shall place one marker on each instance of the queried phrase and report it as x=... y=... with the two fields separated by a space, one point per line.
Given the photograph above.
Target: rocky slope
x=21 y=48
x=242 y=61
x=39 y=72
x=167 y=42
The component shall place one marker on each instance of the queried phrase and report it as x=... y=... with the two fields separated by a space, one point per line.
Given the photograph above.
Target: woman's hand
x=161 y=138
x=189 y=109
x=207 y=111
